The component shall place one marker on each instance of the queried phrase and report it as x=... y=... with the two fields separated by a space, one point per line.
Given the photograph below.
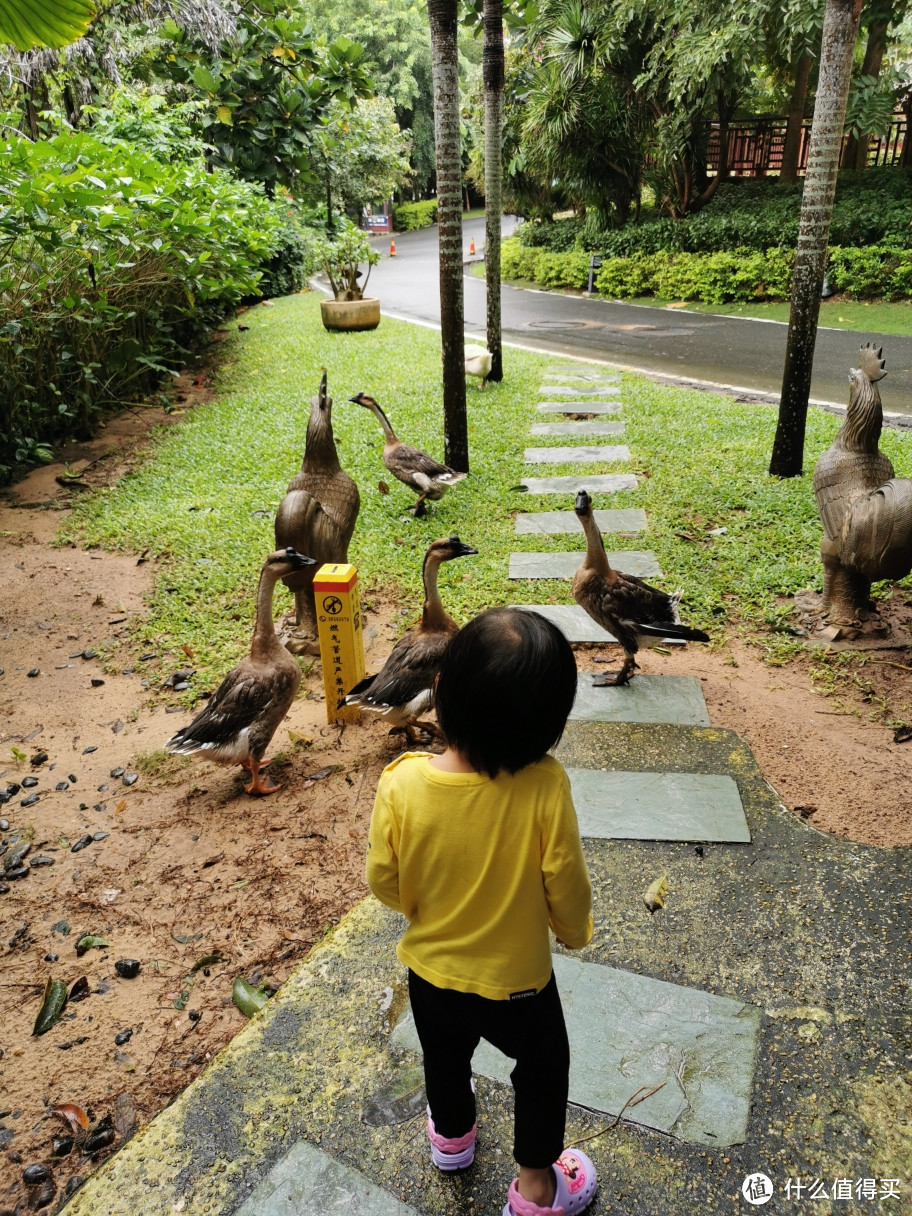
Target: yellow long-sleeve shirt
x=480 y=868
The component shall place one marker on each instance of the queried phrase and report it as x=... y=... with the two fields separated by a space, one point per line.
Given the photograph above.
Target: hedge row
x=740 y=275
x=111 y=262
x=409 y=216
x=873 y=208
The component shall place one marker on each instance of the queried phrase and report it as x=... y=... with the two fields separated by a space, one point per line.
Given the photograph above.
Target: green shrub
x=112 y=261
x=517 y=262
x=871 y=273
x=409 y=216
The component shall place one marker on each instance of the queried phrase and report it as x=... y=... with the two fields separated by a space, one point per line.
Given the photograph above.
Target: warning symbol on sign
x=332 y=604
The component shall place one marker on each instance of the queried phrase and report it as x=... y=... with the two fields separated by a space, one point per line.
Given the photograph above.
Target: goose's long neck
x=596 y=557
x=321 y=443
x=433 y=615
x=265 y=643
x=389 y=434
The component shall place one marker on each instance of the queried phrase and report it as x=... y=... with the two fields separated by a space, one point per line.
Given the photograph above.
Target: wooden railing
x=755 y=146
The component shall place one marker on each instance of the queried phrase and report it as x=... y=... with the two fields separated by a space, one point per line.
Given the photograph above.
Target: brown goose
x=316 y=516
x=622 y=603
x=412 y=467
x=245 y=710
x=404 y=688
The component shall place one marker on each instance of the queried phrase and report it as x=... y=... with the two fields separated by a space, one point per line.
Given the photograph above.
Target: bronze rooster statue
x=865 y=510
x=317 y=516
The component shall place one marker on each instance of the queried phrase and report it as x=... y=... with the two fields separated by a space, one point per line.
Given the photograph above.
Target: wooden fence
x=755 y=146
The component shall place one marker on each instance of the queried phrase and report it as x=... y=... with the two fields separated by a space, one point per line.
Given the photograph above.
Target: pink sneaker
x=576 y=1187
x=451 y=1154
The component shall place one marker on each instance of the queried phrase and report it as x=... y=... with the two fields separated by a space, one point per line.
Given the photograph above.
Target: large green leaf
x=44 y=23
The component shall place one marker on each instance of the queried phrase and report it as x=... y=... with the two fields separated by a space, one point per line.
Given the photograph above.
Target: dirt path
x=183 y=867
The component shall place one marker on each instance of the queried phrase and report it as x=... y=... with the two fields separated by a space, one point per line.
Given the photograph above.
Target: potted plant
x=342 y=257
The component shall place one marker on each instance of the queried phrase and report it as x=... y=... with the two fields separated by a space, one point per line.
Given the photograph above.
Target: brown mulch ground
x=190 y=868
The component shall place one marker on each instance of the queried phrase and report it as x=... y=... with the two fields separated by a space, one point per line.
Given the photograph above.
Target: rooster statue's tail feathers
x=877 y=532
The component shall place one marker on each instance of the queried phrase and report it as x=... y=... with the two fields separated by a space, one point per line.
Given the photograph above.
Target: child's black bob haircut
x=506 y=687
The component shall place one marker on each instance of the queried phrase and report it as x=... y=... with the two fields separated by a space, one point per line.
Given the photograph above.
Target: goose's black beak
x=298 y=561
x=356 y=400
x=459 y=549
x=583 y=503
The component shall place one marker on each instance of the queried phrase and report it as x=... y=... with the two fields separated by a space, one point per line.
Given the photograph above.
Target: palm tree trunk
x=840 y=30
x=493 y=71
x=791 y=148
x=447 y=145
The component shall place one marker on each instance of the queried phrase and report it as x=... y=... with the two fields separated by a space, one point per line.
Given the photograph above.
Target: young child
x=479 y=848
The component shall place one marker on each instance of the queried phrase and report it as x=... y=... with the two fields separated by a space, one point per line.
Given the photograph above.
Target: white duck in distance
x=240 y=718
x=623 y=604
x=411 y=466
x=404 y=688
x=478 y=360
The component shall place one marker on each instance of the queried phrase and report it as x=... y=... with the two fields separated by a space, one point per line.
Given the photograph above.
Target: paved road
x=734 y=352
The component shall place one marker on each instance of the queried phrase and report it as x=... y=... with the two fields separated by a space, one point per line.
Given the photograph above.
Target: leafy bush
x=714 y=278
x=341 y=256
x=872 y=208
x=871 y=273
x=111 y=262
x=409 y=216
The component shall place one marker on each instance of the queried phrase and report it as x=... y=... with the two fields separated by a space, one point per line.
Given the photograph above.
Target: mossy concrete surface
x=812 y=929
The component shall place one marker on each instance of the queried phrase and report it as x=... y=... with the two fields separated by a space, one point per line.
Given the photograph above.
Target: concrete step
x=595 y=483
x=565 y=565
x=559 y=523
x=579 y=407
x=597 y=454
x=592 y=427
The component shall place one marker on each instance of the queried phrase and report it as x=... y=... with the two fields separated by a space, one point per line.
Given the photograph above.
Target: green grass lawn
x=871 y=316
x=203 y=500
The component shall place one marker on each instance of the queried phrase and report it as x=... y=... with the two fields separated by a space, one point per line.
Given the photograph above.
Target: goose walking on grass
x=404 y=688
x=623 y=604
x=411 y=466
x=240 y=718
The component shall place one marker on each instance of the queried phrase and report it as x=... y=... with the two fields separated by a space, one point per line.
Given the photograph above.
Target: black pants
x=530 y=1031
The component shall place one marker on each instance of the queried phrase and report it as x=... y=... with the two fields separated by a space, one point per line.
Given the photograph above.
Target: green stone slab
x=567 y=390
x=565 y=565
x=560 y=523
x=308 y=1182
x=600 y=483
x=629 y=1032
x=597 y=454
x=574 y=623
x=658 y=806
x=673 y=699
x=592 y=427
x=579 y=407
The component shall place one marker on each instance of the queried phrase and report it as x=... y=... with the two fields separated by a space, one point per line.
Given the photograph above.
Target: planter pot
x=350 y=314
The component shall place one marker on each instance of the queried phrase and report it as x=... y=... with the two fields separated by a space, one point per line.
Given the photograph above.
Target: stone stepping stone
x=307 y=1180
x=592 y=427
x=629 y=1032
x=600 y=483
x=597 y=454
x=578 y=379
x=566 y=390
x=580 y=369
x=560 y=523
x=565 y=565
x=658 y=806
x=579 y=407
x=677 y=700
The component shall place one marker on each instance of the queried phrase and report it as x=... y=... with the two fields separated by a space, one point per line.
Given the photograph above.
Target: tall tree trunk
x=791 y=148
x=840 y=30
x=493 y=72
x=856 y=153
x=445 y=69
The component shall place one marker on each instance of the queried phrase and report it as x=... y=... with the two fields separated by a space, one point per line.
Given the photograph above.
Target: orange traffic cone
x=392 y=249
x=472 y=247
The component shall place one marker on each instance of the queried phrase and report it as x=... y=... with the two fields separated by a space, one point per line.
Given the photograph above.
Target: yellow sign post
x=341 y=636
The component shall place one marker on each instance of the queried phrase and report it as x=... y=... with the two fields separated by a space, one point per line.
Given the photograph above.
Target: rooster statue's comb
x=872 y=362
